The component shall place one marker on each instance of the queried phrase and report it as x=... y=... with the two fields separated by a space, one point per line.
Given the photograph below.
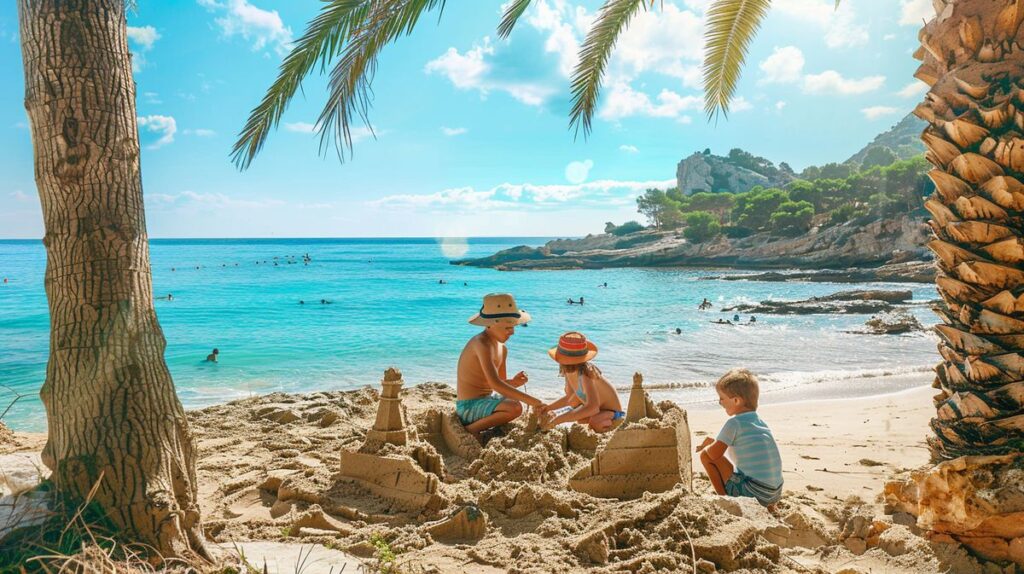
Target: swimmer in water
x=212 y=357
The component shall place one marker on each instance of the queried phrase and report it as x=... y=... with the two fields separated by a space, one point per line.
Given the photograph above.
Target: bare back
x=607 y=398
x=471 y=382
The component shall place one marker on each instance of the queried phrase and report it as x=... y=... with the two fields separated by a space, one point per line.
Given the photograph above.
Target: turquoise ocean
x=388 y=307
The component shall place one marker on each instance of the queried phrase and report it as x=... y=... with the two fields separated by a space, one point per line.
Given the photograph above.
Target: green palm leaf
x=594 y=54
x=349 y=92
x=322 y=41
x=731 y=25
x=512 y=14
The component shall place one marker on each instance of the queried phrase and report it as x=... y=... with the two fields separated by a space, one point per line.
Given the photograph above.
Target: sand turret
x=637 y=407
x=390 y=426
x=652 y=456
x=392 y=462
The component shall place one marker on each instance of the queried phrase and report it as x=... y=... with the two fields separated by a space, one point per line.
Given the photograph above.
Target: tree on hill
x=701 y=226
x=880 y=156
x=792 y=218
x=754 y=209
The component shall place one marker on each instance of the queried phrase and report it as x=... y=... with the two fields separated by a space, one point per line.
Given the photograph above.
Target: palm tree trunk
x=972 y=60
x=112 y=412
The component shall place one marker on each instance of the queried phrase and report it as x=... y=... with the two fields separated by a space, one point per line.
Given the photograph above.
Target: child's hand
x=520 y=379
x=708 y=441
x=547 y=422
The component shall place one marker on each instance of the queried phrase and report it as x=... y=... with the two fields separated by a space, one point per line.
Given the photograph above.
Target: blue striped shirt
x=754 y=448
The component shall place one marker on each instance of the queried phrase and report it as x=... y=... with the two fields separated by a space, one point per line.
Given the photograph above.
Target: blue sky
x=471 y=130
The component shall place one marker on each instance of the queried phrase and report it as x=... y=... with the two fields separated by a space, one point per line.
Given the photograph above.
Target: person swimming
x=679 y=331
x=736 y=317
x=212 y=357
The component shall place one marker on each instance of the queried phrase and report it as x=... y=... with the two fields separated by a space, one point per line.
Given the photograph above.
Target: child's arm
x=713 y=449
x=586 y=410
x=494 y=380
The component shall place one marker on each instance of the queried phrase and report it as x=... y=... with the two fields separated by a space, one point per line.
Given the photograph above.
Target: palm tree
x=972 y=61
x=114 y=422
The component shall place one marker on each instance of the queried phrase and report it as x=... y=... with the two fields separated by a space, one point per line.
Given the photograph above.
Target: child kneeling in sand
x=758 y=470
x=592 y=397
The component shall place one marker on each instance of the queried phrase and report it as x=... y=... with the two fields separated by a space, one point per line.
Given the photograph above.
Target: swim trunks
x=472 y=410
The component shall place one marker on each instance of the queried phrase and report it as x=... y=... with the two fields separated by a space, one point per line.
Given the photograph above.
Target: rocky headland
x=858 y=251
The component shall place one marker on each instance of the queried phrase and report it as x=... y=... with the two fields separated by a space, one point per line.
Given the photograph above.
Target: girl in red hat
x=593 y=399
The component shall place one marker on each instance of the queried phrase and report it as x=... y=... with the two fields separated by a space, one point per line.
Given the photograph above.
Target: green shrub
x=627 y=228
x=701 y=226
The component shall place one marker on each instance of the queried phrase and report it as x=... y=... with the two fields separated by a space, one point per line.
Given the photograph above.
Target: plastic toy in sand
x=650 y=452
x=392 y=462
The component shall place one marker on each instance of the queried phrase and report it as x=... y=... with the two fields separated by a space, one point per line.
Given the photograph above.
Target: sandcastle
x=653 y=456
x=392 y=462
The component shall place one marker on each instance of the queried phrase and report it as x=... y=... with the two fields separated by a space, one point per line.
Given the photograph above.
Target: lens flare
x=453 y=247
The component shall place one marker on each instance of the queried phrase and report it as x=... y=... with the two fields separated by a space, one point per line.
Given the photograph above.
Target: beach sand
x=269 y=470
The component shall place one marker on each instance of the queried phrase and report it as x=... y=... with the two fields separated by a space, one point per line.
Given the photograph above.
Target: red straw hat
x=573 y=348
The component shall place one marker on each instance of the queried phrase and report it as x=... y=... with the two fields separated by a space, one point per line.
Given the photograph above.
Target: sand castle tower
x=650 y=458
x=390 y=426
x=410 y=472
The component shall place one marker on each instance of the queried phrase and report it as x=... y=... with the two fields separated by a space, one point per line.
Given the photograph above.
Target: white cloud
x=913 y=90
x=199 y=132
x=20 y=196
x=839 y=25
x=916 y=12
x=875 y=112
x=888 y=37
x=622 y=101
x=143 y=36
x=740 y=104
x=300 y=127
x=470 y=71
x=577 y=171
x=187 y=199
x=264 y=28
x=451 y=132
x=784 y=66
x=780 y=105
x=464 y=71
x=358 y=133
x=668 y=41
x=629 y=148
x=602 y=193
x=165 y=126
x=561 y=38
x=832 y=82
x=152 y=98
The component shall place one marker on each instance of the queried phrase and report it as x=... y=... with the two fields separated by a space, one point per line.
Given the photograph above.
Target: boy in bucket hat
x=482 y=368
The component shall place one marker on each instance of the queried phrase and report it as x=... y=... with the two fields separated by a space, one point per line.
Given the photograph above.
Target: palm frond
x=512 y=14
x=594 y=54
x=321 y=42
x=731 y=25
x=349 y=90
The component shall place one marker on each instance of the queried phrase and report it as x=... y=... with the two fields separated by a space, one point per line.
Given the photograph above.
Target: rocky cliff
x=857 y=243
x=904 y=139
x=708 y=172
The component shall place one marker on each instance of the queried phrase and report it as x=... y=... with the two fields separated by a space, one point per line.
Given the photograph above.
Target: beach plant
x=114 y=421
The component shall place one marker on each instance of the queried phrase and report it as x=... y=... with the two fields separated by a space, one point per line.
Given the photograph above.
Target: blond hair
x=740 y=383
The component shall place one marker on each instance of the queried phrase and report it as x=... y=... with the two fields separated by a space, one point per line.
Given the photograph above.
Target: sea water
x=398 y=302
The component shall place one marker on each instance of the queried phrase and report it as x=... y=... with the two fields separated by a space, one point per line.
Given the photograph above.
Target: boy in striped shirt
x=758 y=466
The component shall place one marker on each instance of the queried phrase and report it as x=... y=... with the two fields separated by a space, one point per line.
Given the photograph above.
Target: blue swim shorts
x=740 y=484
x=472 y=410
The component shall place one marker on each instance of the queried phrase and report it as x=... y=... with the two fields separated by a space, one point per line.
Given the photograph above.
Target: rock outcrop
x=893 y=323
x=707 y=172
x=861 y=245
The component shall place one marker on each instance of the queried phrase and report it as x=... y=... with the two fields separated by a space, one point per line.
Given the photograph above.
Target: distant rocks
x=893 y=323
x=909 y=272
x=887 y=319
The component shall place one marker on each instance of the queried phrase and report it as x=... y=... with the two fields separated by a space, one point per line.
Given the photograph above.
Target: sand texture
x=270 y=470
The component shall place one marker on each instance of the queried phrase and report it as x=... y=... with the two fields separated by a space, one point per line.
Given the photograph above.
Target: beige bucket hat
x=499 y=308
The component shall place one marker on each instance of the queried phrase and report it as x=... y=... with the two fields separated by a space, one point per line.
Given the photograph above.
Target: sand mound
x=6 y=435
x=270 y=469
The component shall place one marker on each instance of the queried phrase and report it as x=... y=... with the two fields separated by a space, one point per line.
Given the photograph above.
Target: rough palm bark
x=973 y=61
x=112 y=412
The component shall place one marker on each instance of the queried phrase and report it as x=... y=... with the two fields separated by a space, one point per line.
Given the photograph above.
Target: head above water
x=215 y=352
x=738 y=391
